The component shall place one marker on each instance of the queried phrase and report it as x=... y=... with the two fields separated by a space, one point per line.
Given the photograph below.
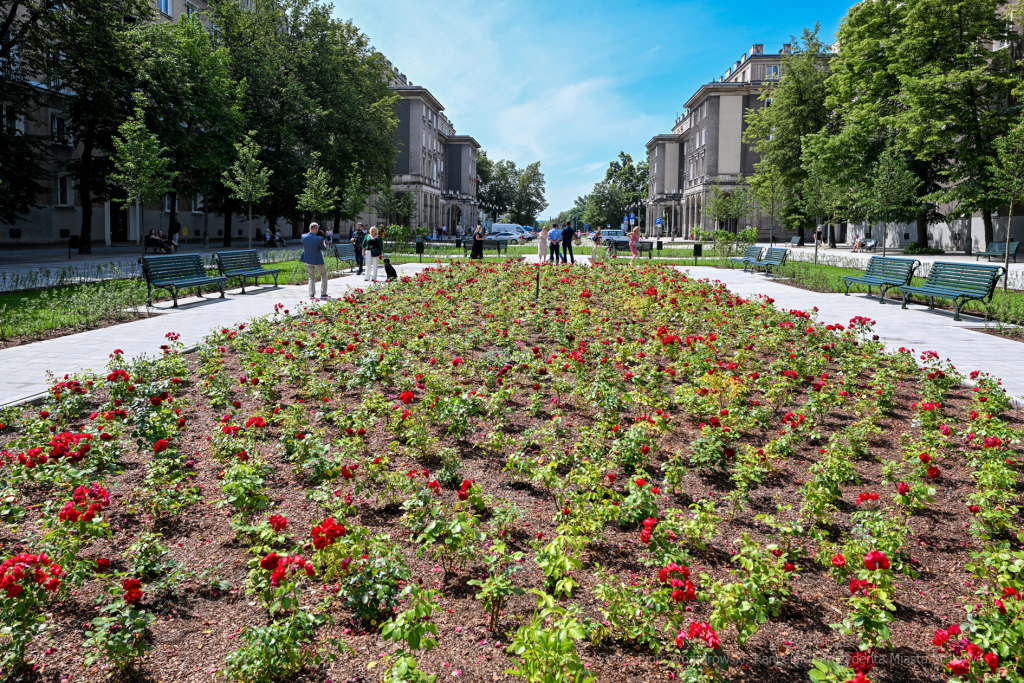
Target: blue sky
x=572 y=83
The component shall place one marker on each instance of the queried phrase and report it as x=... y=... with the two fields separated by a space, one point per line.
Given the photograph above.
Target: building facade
x=706 y=148
x=434 y=164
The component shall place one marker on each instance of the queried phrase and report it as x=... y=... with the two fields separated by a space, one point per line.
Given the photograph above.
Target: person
x=175 y=231
x=279 y=239
x=374 y=247
x=153 y=242
x=163 y=241
x=568 y=233
x=554 y=235
x=858 y=243
x=634 y=244
x=329 y=238
x=597 y=238
x=542 y=244
x=478 y=244
x=312 y=245
x=357 y=241
x=268 y=238
x=817 y=236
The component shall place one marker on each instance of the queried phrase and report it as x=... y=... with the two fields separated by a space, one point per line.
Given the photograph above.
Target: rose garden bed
x=630 y=476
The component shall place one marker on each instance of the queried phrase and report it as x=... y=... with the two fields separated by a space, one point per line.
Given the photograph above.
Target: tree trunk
x=250 y=226
x=85 y=191
x=272 y=223
x=922 y=232
x=337 y=222
x=206 y=220
x=986 y=219
x=1006 y=256
x=227 y=225
x=173 y=217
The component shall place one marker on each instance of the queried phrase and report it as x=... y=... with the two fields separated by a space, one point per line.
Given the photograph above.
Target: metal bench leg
x=221 y=290
x=956 y=310
x=243 y=284
x=905 y=297
x=847 y=289
x=881 y=294
x=174 y=296
x=931 y=303
x=275 y=280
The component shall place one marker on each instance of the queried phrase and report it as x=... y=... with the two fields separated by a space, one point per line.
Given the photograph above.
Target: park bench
x=750 y=254
x=641 y=247
x=497 y=245
x=346 y=251
x=869 y=245
x=772 y=258
x=998 y=250
x=177 y=272
x=243 y=264
x=796 y=241
x=884 y=273
x=959 y=282
x=156 y=244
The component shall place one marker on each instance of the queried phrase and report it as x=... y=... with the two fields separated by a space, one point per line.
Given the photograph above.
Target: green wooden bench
x=884 y=273
x=749 y=254
x=497 y=245
x=243 y=264
x=959 y=282
x=796 y=241
x=998 y=250
x=772 y=258
x=346 y=251
x=177 y=272
x=869 y=245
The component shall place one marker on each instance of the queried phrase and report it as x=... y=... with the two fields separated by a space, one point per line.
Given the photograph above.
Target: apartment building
x=705 y=147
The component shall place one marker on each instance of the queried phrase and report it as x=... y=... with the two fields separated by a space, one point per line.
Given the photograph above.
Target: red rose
x=270 y=562
x=875 y=560
x=278 y=523
x=160 y=446
x=934 y=472
x=102 y=564
x=838 y=560
x=788 y=567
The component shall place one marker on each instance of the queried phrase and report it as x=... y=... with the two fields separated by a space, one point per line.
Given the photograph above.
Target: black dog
x=390 y=270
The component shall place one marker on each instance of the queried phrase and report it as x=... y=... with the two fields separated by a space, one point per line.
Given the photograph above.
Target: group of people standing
x=369 y=247
x=555 y=245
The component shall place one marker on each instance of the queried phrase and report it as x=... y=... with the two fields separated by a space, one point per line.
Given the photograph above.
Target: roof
x=417 y=91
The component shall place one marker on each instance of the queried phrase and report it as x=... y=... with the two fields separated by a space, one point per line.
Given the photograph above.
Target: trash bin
x=74 y=242
x=698 y=250
x=658 y=245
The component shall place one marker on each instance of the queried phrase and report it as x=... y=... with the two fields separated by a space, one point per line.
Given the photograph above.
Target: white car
x=516 y=233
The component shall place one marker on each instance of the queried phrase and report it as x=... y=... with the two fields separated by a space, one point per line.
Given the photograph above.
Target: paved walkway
x=23 y=368
x=917 y=327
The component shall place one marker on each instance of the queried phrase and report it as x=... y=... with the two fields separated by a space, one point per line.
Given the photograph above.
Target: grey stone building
x=706 y=148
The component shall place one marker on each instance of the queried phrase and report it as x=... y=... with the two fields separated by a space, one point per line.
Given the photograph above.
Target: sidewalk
x=24 y=368
x=917 y=327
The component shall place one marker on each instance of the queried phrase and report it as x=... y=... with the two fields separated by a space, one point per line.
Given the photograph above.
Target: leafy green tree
x=797 y=108
x=1008 y=174
x=88 y=53
x=953 y=90
x=529 y=199
x=140 y=163
x=195 y=107
x=606 y=204
x=248 y=180
x=390 y=206
x=498 y=184
x=743 y=202
x=892 y=194
x=770 y=191
x=718 y=206
x=318 y=197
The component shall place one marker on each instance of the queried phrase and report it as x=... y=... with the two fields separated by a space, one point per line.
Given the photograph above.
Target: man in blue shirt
x=312 y=245
x=554 y=235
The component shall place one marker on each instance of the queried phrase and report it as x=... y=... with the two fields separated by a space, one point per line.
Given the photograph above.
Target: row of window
x=165 y=8
x=63 y=194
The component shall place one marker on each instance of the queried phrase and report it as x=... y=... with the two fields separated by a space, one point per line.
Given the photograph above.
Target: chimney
x=756 y=49
x=736 y=66
x=728 y=72
x=786 y=49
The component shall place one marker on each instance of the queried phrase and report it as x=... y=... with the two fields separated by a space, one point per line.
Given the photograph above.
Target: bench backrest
x=976 y=278
x=175 y=267
x=345 y=251
x=897 y=270
x=493 y=244
x=752 y=253
x=246 y=259
x=776 y=255
x=870 y=242
x=1000 y=248
x=795 y=240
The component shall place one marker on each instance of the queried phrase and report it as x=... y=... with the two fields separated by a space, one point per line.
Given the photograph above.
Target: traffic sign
x=657 y=221
x=632 y=216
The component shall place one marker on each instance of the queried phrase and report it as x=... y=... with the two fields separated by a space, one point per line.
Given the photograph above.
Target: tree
x=140 y=163
x=318 y=197
x=528 y=200
x=606 y=204
x=717 y=206
x=953 y=89
x=498 y=191
x=195 y=104
x=632 y=180
x=742 y=201
x=892 y=194
x=89 y=57
x=1008 y=174
x=390 y=205
x=353 y=199
x=248 y=180
x=770 y=193
x=22 y=154
x=797 y=108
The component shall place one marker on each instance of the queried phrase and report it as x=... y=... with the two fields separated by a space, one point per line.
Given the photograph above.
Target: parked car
x=619 y=237
x=518 y=232
x=518 y=238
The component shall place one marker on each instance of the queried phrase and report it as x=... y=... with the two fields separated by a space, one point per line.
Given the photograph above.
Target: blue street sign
x=657 y=221
x=632 y=216
x=586 y=225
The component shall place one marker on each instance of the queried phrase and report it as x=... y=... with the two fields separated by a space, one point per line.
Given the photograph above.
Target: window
x=198 y=203
x=63 y=190
x=768 y=101
x=167 y=203
x=190 y=11
x=1000 y=45
x=703 y=136
x=59 y=130
x=771 y=72
x=164 y=6
x=11 y=122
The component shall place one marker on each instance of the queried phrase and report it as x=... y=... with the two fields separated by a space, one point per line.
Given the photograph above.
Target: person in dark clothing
x=357 y=240
x=567 y=236
x=478 y=244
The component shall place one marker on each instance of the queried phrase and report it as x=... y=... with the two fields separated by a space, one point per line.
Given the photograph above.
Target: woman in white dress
x=542 y=244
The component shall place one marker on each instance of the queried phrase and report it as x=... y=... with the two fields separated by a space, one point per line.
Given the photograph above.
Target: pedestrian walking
x=312 y=246
x=374 y=246
x=554 y=236
x=568 y=234
x=357 y=241
x=542 y=244
x=477 y=251
x=634 y=244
